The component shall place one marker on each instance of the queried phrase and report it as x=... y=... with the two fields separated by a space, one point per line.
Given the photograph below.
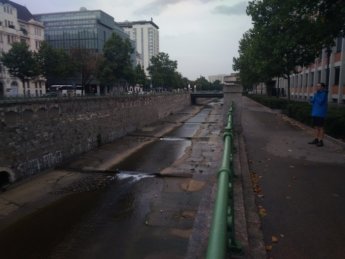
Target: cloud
x=156 y=7
x=237 y=9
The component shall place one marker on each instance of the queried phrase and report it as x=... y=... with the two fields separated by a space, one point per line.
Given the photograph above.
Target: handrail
x=222 y=234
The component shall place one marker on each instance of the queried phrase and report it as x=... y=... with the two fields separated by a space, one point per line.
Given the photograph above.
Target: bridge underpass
x=205 y=94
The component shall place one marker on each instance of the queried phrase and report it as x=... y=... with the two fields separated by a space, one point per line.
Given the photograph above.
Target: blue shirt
x=319 y=102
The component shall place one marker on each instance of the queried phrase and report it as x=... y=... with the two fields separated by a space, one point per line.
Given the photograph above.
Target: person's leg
x=316 y=139
x=316 y=131
x=321 y=134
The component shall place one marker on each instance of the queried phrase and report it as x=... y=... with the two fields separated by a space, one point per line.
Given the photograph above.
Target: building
x=303 y=83
x=83 y=29
x=17 y=24
x=232 y=79
x=214 y=78
x=146 y=37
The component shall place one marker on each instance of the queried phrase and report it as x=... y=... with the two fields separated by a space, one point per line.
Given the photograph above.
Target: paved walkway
x=299 y=188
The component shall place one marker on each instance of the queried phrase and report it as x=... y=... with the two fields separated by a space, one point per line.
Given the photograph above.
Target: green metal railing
x=222 y=234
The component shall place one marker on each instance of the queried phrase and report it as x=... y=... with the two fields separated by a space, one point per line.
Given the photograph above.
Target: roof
x=22 y=12
x=130 y=24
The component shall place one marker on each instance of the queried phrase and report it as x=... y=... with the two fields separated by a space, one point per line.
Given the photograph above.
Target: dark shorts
x=318 y=121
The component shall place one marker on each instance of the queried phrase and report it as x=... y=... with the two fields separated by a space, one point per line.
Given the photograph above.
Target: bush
x=272 y=102
x=300 y=111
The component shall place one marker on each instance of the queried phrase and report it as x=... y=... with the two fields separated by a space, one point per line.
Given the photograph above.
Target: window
x=336 y=75
x=312 y=79
x=339 y=43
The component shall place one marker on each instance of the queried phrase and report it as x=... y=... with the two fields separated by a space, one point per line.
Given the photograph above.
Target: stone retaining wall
x=41 y=134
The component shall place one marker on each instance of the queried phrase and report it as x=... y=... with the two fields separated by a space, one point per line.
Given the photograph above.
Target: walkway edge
x=255 y=247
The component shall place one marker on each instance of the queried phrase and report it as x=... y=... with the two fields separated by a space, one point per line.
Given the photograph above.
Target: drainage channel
x=107 y=221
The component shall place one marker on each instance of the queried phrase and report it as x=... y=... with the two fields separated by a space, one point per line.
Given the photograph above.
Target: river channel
x=117 y=220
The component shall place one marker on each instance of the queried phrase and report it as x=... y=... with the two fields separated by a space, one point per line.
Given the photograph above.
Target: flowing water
x=105 y=222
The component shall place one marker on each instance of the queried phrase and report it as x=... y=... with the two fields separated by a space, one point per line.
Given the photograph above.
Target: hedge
x=300 y=111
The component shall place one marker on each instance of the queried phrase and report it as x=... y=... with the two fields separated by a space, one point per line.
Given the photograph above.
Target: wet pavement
x=299 y=188
x=155 y=203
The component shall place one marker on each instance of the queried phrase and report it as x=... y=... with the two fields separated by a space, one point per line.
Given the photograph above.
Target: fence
x=222 y=234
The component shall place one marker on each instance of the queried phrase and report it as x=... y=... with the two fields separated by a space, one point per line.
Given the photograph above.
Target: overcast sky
x=202 y=35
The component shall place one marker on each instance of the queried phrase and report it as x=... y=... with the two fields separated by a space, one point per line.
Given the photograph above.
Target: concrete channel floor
x=188 y=200
x=299 y=188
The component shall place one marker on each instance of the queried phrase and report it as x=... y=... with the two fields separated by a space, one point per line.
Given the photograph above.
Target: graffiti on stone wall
x=51 y=159
x=29 y=167
x=33 y=166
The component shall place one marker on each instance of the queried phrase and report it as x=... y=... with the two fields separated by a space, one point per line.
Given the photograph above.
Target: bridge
x=205 y=94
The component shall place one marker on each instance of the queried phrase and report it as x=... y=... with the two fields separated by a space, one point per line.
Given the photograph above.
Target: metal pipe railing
x=222 y=235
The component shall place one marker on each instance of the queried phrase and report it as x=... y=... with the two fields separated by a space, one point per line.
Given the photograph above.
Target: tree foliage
x=163 y=71
x=286 y=34
x=140 y=76
x=85 y=64
x=54 y=64
x=115 y=65
x=21 y=62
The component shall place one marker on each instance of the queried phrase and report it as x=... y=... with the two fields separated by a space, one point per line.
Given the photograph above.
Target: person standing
x=318 y=113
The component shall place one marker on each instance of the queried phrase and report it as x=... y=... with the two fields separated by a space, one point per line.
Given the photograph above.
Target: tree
x=85 y=64
x=21 y=62
x=140 y=76
x=55 y=64
x=216 y=85
x=202 y=84
x=116 y=65
x=163 y=71
x=286 y=34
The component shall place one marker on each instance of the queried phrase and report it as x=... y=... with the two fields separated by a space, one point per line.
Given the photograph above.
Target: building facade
x=17 y=24
x=303 y=83
x=83 y=29
x=214 y=78
x=146 y=37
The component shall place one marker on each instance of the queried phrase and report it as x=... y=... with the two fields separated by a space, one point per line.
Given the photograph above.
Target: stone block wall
x=41 y=134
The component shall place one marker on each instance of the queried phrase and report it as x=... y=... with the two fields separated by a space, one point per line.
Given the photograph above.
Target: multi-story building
x=17 y=24
x=303 y=83
x=214 y=78
x=146 y=37
x=83 y=29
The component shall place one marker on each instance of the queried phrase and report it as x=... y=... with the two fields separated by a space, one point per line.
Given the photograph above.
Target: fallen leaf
x=268 y=248
x=262 y=212
x=274 y=239
x=257 y=189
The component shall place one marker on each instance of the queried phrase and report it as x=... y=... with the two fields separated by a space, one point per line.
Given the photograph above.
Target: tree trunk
x=288 y=78
x=23 y=82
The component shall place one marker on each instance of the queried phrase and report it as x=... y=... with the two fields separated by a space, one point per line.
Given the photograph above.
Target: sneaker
x=314 y=142
x=320 y=143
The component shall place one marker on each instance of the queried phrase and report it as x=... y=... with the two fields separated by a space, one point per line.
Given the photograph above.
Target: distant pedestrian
x=318 y=113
